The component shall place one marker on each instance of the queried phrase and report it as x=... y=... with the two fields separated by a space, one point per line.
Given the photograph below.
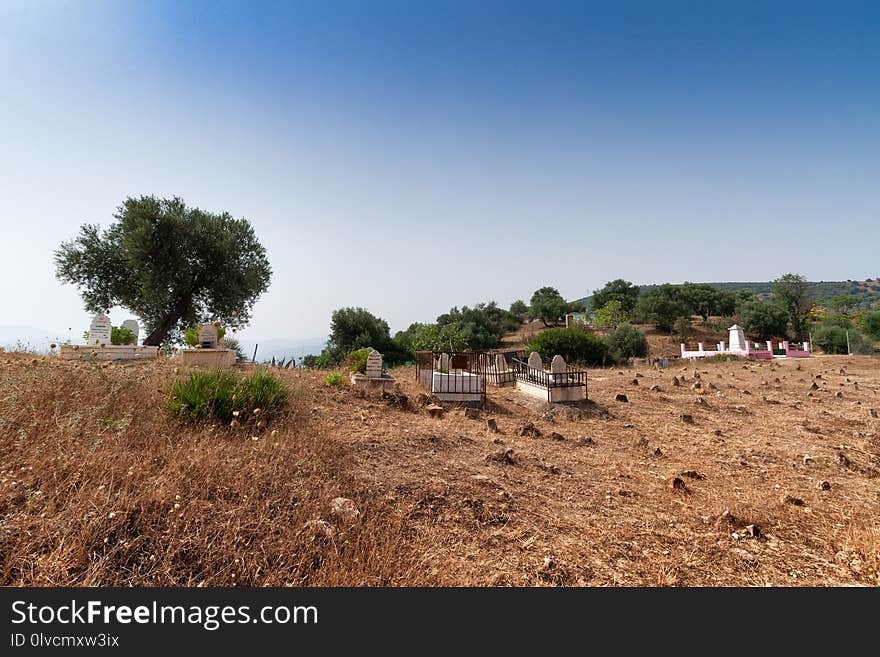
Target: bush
x=831 y=338
x=871 y=324
x=333 y=379
x=682 y=327
x=227 y=396
x=628 y=342
x=357 y=360
x=235 y=345
x=121 y=336
x=574 y=345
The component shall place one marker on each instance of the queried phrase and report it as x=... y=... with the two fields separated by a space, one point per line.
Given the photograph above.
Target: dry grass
x=82 y=442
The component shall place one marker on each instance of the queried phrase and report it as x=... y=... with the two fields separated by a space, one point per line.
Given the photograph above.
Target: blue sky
x=408 y=157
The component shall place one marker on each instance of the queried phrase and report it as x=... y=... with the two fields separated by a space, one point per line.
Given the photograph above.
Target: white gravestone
x=443 y=362
x=535 y=361
x=99 y=331
x=208 y=336
x=132 y=326
x=557 y=365
x=374 y=365
x=737 y=338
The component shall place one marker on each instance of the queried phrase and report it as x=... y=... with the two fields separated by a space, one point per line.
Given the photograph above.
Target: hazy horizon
x=408 y=159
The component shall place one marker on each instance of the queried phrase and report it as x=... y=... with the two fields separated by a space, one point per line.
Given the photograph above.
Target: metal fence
x=568 y=379
x=464 y=376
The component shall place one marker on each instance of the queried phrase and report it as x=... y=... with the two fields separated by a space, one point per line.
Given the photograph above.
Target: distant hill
x=867 y=291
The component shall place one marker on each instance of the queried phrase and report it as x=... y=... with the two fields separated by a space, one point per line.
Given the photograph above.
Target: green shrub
x=121 y=336
x=225 y=396
x=574 y=345
x=871 y=324
x=626 y=341
x=235 y=345
x=832 y=339
x=333 y=379
x=356 y=361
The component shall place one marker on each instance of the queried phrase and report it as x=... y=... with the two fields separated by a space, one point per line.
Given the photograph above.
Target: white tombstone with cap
x=100 y=330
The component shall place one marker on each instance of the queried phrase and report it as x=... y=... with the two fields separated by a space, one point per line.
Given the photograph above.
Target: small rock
x=676 y=484
x=634 y=382
x=548 y=467
x=639 y=375
x=556 y=436
x=873 y=412
x=472 y=413
x=838 y=394
x=813 y=386
x=697 y=386
x=824 y=485
x=529 y=429
x=687 y=419
x=752 y=530
x=655 y=388
x=791 y=499
x=692 y=474
x=492 y=424
x=344 y=509
x=808 y=460
x=621 y=397
x=700 y=401
x=642 y=442
x=502 y=456
x=658 y=452
x=843 y=460
x=584 y=440
x=675 y=382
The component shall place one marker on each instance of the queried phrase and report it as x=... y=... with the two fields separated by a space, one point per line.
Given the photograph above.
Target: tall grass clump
x=227 y=397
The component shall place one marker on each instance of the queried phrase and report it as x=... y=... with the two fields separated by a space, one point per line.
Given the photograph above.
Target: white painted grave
x=99 y=331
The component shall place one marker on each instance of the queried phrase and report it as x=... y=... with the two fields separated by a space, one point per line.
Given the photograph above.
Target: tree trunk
x=155 y=338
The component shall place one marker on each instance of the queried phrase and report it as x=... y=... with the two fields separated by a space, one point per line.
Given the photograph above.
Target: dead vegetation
x=98 y=486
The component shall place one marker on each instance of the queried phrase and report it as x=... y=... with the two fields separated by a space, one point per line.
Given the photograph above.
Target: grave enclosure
x=374 y=376
x=210 y=351
x=561 y=383
x=98 y=346
x=739 y=345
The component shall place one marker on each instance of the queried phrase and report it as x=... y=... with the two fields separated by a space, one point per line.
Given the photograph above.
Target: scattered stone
x=813 y=386
x=824 y=485
x=319 y=529
x=843 y=460
x=584 y=440
x=639 y=375
x=687 y=419
x=472 y=413
x=502 y=456
x=838 y=394
x=658 y=452
x=492 y=424
x=529 y=429
x=776 y=380
x=435 y=410
x=548 y=467
x=747 y=392
x=712 y=386
x=697 y=386
x=696 y=375
x=498 y=441
x=655 y=388
x=642 y=442
x=753 y=531
x=344 y=509
x=556 y=436
x=700 y=401
x=808 y=460
x=692 y=474
x=634 y=382
x=675 y=382
x=842 y=371
x=818 y=376
x=677 y=484
x=791 y=499
x=873 y=412
x=621 y=397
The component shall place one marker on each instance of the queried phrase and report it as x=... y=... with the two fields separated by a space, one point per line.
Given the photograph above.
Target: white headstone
x=374 y=365
x=443 y=362
x=132 y=326
x=500 y=363
x=557 y=365
x=99 y=331
x=535 y=361
x=208 y=336
x=737 y=338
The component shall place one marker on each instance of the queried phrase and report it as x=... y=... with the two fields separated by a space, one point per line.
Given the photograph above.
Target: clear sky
x=411 y=156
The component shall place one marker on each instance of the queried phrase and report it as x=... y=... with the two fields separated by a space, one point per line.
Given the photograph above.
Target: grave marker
x=208 y=336
x=100 y=329
x=557 y=365
x=535 y=361
x=374 y=365
x=132 y=326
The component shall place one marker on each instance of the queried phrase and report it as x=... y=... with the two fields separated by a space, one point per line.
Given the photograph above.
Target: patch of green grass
x=227 y=397
x=333 y=379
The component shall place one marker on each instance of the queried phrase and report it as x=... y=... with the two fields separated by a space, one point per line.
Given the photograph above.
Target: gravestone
x=737 y=338
x=500 y=363
x=374 y=365
x=99 y=331
x=208 y=336
x=443 y=362
x=132 y=326
x=535 y=361
x=557 y=365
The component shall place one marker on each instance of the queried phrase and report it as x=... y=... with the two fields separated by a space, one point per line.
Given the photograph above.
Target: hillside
x=100 y=487
x=868 y=291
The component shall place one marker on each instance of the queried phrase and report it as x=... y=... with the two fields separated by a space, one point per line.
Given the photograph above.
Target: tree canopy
x=792 y=292
x=549 y=306
x=170 y=265
x=618 y=290
x=662 y=305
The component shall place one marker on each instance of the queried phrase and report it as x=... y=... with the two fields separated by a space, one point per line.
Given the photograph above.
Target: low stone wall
x=113 y=352
x=213 y=358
